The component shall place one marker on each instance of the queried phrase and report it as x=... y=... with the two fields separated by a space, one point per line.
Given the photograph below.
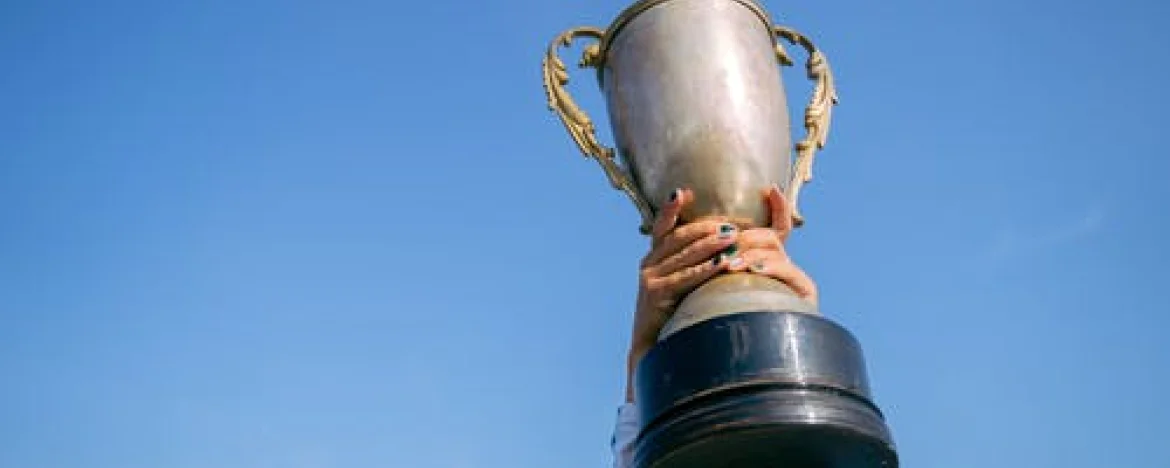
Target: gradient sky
x=253 y=233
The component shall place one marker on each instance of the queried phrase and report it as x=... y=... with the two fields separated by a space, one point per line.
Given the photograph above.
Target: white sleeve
x=624 y=433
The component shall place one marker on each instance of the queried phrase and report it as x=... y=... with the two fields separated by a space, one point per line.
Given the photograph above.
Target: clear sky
x=253 y=233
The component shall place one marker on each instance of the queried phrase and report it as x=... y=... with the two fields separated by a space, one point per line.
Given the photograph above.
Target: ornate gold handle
x=579 y=125
x=817 y=115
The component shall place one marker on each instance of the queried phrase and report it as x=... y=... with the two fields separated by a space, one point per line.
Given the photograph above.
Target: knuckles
x=646 y=277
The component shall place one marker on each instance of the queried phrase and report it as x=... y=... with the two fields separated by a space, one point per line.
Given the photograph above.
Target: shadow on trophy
x=745 y=374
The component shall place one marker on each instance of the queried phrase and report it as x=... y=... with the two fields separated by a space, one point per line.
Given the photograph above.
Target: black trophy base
x=759 y=390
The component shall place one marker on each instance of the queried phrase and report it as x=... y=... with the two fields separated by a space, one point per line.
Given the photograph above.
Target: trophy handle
x=579 y=125
x=817 y=115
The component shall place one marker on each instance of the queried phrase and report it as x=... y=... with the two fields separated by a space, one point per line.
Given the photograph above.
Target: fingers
x=701 y=250
x=780 y=214
x=775 y=264
x=666 y=282
x=780 y=211
x=682 y=257
x=682 y=237
x=668 y=218
x=683 y=281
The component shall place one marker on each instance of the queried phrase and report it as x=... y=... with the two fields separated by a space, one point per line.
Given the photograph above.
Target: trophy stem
x=734 y=293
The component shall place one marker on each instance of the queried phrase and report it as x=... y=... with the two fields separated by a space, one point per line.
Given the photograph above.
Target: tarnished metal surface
x=695 y=100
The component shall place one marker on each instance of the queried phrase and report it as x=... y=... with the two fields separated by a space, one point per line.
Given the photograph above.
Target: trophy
x=745 y=373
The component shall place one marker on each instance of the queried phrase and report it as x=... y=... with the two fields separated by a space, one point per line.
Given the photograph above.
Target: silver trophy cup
x=695 y=100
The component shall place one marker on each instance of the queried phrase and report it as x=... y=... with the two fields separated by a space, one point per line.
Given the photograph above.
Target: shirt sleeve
x=624 y=433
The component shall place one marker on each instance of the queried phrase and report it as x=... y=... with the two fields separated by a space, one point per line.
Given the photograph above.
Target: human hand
x=682 y=258
x=763 y=249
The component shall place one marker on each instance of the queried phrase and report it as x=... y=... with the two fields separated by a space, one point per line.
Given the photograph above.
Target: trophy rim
x=641 y=6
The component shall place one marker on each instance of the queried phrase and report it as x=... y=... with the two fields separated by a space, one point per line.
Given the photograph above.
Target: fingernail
x=726 y=231
x=717 y=260
x=736 y=262
x=730 y=250
x=758 y=267
x=674 y=194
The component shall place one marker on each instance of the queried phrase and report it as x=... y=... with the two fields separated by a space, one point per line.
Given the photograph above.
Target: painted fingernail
x=717 y=260
x=674 y=194
x=730 y=250
x=726 y=231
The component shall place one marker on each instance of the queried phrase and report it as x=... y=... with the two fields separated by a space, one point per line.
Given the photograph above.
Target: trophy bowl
x=695 y=100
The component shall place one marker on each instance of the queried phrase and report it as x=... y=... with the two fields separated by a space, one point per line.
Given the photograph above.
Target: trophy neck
x=641 y=6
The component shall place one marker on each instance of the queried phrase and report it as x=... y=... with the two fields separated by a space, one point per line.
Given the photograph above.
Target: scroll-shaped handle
x=817 y=115
x=579 y=125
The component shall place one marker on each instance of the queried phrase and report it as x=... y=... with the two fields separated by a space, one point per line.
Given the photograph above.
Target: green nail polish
x=730 y=251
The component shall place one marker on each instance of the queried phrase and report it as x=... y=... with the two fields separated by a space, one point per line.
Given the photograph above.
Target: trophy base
x=759 y=389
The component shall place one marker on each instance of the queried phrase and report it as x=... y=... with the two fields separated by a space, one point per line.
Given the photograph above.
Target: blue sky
x=336 y=234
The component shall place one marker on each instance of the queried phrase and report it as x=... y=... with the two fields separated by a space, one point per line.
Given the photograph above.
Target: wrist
x=631 y=371
x=635 y=354
x=640 y=344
